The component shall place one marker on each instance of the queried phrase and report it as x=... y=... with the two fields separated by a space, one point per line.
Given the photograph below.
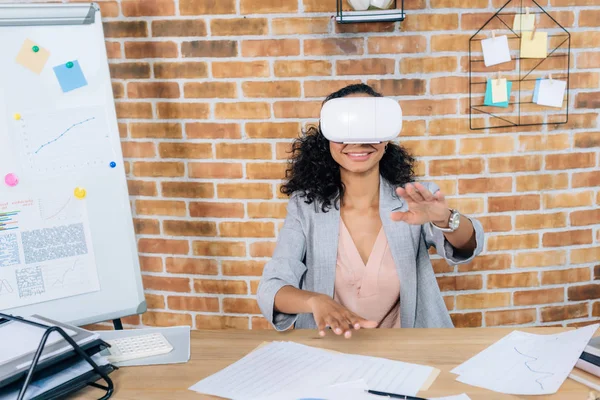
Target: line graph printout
x=65 y=140
x=50 y=256
x=523 y=363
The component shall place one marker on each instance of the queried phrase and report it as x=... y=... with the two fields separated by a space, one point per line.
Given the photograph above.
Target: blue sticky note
x=70 y=78
x=536 y=90
x=488 y=95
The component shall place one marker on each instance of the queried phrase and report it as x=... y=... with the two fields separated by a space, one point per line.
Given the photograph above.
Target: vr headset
x=361 y=119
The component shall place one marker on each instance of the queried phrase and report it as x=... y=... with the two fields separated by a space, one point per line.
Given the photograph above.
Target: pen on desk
x=395 y=396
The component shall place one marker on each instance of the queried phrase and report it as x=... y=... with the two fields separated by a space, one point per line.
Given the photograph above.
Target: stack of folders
x=587 y=367
x=60 y=370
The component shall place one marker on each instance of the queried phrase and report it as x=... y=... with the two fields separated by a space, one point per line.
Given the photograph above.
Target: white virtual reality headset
x=361 y=119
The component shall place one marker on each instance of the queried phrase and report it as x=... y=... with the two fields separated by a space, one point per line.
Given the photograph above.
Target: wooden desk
x=214 y=350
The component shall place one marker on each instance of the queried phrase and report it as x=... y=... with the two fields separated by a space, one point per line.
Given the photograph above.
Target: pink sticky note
x=11 y=179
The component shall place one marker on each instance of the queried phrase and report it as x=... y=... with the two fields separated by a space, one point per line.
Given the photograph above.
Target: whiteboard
x=67 y=242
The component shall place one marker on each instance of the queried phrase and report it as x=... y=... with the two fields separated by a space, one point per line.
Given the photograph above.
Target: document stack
x=42 y=359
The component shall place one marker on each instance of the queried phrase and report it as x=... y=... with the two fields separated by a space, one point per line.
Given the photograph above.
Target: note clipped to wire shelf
x=499 y=90
x=550 y=92
x=534 y=44
x=523 y=22
x=488 y=95
x=495 y=50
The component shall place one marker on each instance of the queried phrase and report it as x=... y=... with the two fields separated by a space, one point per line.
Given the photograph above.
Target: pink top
x=371 y=291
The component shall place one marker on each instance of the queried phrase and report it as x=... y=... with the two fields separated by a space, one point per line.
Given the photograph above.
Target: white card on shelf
x=495 y=50
x=551 y=93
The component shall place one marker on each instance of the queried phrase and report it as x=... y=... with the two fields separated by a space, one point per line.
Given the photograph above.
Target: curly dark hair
x=314 y=173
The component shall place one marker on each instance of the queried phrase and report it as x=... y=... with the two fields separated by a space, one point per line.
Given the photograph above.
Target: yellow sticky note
x=499 y=94
x=32 y=56
x=536 y=47
x=523 y=22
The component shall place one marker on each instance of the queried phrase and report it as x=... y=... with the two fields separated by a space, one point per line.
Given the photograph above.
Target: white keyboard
x=134 y=347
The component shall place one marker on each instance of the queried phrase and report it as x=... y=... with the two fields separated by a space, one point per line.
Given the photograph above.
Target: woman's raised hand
x=329 y=313
x=423 y=206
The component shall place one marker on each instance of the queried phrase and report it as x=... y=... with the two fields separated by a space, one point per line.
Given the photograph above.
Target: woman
x=353 y=251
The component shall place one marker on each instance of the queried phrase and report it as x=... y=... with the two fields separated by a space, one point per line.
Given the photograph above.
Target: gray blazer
x=306 y=253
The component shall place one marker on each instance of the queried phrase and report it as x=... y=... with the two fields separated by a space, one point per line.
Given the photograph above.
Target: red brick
x=570 y=161
x=195 y=266
x=136 y=8
x=146 y=226
x=270 y=48
x=262 y=249
x=130 y=70
x=133 y=110
x=267 y=6
x=333 y=46
x=219 y=248
x=209 y=48
x=396 y=44
x=365 y=66
x=187 y=189
x=219 y=322
x=205 y=209
x=247 y=229
x=179 y=28
x=113 y=50
x=183 y=70
x=544 y=296
x=183 y=110
x=559 y=313
x=155 y=301
x=499 y=223
x=540 y=221
x=138 y=149
x=149 y=90
x=302 y=68
x=121 y=29
x=487 y=263
x=510 y=317
x=521 y=279
x=296 y=109
x=244 y=110
x=411 y=87
x=487 y=145
x=215 y=170
x=193 y=303
x=414 y=65
x=238 y=26
x=245 y=190
x=536 y=183
x=588 y=59
x=562 y=276
x=210 y=90
x=515 y=163
x=151 y=264
x=151 y=49
x=242 y=268
x=430 y=22
x=456 y=166
x=586 y=179
x=466 y=320
x=185 y=150
x=158 y=169
x=513 y=203
x=544 y=258
x=585 y=217
x=166 y=319
x=156 y=130
x=567 y=238
x=482 y=300
x=267 y=170
x=212 y=130
x=194 y=7
x=272 y=130
x=267 y=210
x=220 y=286
x=450 y=42
x=583 y=292
x=189 y=228
x=456 y=283
x=322 y=88
x=560 y=200
x=299 y=26
x=513 y=242
x=271 y=89
x=485 y=185
x=240 y=306
x=587 y=139
x=160 y=207
x=544 y=142
x=168 y=284
x=254 y=151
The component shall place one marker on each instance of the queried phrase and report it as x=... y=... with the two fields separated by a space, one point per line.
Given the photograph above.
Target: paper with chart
x=288 y=366
x=56 y=142
x=46 y=251
x=526 y=364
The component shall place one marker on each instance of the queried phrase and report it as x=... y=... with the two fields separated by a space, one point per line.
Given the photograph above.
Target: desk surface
x=214 y=350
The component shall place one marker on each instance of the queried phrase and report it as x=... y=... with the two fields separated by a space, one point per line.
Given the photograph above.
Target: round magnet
x=11 y=179
x=35 y=49
x=17 y=116
x=113 y=164
x=79 y=193
x=69 y=64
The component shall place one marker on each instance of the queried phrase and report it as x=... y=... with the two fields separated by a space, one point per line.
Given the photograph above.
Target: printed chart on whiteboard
x=45 y=250
x=65 y=140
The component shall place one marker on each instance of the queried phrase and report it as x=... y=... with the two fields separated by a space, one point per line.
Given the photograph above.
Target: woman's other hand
x=328 y=313
x=423 y=206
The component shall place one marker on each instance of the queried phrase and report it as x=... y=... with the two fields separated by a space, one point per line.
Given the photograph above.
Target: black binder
x=42 y=369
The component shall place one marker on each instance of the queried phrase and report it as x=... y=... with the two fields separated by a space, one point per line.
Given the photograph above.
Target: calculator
x=134 y=347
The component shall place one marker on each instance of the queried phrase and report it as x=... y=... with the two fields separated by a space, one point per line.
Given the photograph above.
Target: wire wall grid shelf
x=521 y=72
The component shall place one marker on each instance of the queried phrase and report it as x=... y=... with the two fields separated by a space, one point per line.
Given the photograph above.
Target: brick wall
x=210 y=94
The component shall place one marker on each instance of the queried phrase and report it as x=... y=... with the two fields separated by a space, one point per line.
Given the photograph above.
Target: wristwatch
x=453 y=222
